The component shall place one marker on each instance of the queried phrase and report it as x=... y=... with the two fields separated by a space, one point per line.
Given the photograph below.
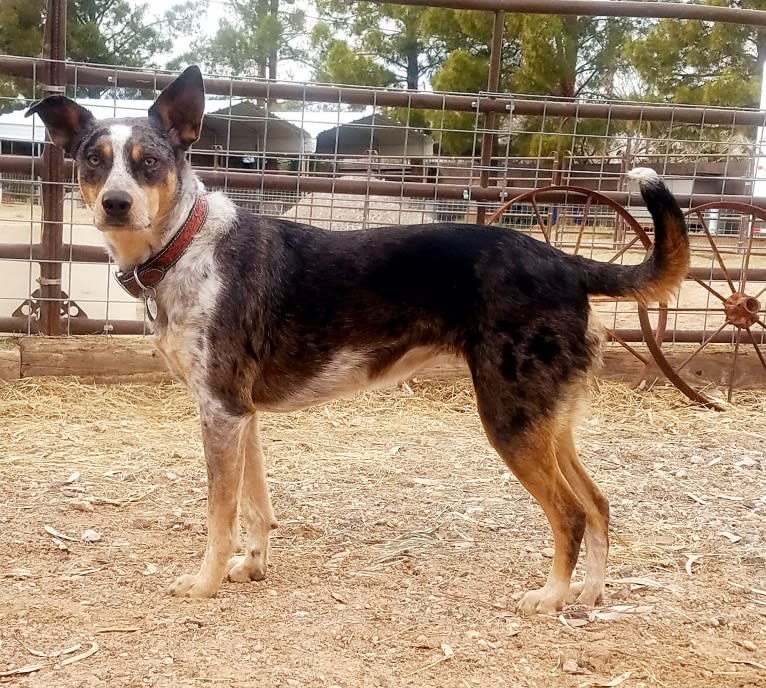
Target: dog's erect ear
x=64 y=119
x=180 y=107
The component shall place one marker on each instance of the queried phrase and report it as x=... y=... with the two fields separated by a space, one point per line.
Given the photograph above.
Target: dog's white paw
x=546 y=600
x=586 y=595
x=243 y=569
x=193 y=586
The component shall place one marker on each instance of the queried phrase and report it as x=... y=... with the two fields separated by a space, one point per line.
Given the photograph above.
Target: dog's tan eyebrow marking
x=105 y=148
x=137 y=152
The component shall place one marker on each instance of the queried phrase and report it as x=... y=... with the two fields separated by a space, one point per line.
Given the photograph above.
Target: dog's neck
x=133 y=247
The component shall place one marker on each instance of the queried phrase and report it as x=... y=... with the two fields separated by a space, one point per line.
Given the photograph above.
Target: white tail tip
x=644 y=175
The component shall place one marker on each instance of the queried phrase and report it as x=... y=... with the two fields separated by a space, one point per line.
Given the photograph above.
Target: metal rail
x=315 y=184
x=28 y=67
x=54 y=47
x=600 y=8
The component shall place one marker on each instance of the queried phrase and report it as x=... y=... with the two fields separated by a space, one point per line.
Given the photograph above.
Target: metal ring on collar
x=148 y=292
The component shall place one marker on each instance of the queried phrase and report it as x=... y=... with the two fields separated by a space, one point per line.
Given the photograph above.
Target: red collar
x=150 y=273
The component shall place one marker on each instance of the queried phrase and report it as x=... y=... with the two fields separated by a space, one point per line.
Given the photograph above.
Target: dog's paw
x=546 y=600
x=587 y=595
x=193 y=586
x=575 y=589
x=244 y=569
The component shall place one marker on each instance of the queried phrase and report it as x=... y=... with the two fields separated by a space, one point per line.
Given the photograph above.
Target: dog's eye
x=94 y=159
x=150 y=163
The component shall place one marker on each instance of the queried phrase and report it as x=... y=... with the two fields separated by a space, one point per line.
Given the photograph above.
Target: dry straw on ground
x=403 y=545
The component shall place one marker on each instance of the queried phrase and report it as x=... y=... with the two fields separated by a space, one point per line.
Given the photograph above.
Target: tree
x=698 y=62
x=466 y=39
x=566 y=57
x=253 y=39
x=21 y=35
x=341 y=64
x=98 y=31
x=387 y=44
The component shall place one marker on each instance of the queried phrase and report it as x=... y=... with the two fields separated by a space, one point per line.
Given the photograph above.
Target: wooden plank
x=94 y=359
x=134 y=359
x=710 y=368
x=10 y=364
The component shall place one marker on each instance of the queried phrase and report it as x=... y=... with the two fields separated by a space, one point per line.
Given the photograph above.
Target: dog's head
x=129 y=169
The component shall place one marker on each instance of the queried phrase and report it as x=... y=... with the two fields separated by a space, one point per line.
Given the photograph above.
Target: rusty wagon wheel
x=721 y=300
x=585 y=222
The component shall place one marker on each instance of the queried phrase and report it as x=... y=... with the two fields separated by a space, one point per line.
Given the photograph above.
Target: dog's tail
x=661 y=274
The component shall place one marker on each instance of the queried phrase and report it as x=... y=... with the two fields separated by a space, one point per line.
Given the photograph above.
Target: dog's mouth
x=113 y=225
x=105 y=223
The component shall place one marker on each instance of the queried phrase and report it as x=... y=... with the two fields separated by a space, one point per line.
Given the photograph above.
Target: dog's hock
x=181 y=106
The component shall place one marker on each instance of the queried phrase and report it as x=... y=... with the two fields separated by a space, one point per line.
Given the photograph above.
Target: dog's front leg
x=223 y=438
x=256 y=512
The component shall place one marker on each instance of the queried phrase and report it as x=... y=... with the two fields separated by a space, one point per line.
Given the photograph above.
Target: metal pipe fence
x=349 y=157
x=361 y=162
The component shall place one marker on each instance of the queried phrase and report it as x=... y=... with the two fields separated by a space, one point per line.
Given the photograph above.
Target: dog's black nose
x=117 y=203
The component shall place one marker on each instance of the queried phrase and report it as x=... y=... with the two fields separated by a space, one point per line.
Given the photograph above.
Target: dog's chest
x=186 y=303
x=187 y=298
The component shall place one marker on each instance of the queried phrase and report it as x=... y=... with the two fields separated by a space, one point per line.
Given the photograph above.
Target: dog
x=260 y=314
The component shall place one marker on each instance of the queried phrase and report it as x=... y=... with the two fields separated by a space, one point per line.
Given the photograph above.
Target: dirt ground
x=403 y=546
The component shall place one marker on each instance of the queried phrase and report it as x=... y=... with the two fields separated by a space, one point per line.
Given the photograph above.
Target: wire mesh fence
x=352 y=158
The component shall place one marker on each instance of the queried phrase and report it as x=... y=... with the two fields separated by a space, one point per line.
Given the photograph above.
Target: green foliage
x=98 y=31
x=252 y=39
x=463 y=72
x=342 y=65
x=21 y=34
x=395 y=37
x=542 y=55
x=700 y=62
x=568 y=56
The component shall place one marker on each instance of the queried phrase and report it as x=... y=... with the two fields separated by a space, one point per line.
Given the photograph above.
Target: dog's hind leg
x=596 y=507
x=224 y=438
x=533 y=462
x=525 y=437
x=255 y=507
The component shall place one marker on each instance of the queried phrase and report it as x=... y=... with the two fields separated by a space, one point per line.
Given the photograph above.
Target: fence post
x=54 y=52
x=493 y=84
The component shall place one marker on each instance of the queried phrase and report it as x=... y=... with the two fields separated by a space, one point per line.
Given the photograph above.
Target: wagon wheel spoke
x=756 y=347
x=583 y=223
x=691 y=356
x=704 y=284
x=540 y=222
x=615 y=337
x=624 y=250
x=760 y=293
x=734 y=366
x=664 y=365
x=714 y=248
x=746 y=261
x=586 y=210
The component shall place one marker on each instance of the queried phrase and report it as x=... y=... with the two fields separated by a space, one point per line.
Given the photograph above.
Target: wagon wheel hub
x=741 y=310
